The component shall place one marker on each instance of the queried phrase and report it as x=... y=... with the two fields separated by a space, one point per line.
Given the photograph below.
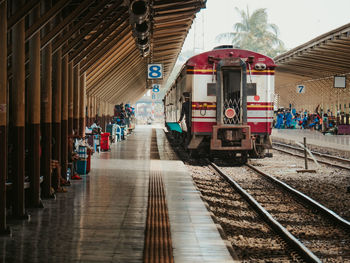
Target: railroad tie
x=158 y=245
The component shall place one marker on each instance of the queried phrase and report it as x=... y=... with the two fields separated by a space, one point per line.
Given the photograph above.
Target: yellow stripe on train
x=260 y=106
x=201 y=105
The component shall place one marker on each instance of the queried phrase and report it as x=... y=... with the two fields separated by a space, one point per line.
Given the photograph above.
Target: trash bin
x=82 y=162
x=104 y=141
x=81 y=166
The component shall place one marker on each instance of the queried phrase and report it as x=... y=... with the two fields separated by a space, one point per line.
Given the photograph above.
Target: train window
x=211 y=89
x=251 y=89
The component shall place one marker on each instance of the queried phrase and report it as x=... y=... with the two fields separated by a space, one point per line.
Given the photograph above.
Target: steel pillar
x=82 y=104
x=76 y=78
x=56 y=113
x=64 y=118
x=46 y=110
x=70 y=98
x=33 y=108
x=3 y=117
x=18 y=113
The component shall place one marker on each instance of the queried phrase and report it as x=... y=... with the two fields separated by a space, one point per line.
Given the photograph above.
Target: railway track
x=251 y=238
x=315 y=232
x=323 y=158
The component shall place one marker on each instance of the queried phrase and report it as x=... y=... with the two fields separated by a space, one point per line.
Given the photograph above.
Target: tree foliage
x=254 y=33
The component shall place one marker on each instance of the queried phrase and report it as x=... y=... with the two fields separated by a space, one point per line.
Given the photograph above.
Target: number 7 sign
x=300 y=89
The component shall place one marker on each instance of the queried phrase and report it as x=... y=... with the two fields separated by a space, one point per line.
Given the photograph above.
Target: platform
x=102 y=218
x=332 y=143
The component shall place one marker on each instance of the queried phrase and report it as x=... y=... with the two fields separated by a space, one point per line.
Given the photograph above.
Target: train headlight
x=230 y=113
x=260 y=66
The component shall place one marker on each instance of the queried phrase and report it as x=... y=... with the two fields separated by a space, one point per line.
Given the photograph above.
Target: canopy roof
x=322 y=57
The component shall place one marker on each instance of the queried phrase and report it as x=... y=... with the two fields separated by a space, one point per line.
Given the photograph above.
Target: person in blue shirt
x=314 y=123
x=304 y=123
x=289 y=118
x=279 y=122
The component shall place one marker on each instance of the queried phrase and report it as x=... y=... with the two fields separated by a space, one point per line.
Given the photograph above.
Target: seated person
x=72 y=158
x=59 y=180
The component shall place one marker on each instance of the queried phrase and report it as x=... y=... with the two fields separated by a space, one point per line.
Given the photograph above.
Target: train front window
x=232 y=94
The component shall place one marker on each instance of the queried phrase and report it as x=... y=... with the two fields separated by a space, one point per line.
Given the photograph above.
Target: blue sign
x=155 y=71
x=155 y=88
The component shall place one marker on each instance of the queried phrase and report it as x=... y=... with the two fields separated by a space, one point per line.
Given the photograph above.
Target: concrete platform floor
x=102 y=217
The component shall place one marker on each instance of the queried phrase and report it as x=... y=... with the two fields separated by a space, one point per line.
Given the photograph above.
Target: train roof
x=201 y=60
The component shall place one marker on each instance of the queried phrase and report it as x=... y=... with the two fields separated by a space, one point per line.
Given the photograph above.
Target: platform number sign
x=155 y=88
x=155 y=71
x=300 y=89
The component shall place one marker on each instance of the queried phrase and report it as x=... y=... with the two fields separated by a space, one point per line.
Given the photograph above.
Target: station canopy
x=314 y=64
x=113 y=41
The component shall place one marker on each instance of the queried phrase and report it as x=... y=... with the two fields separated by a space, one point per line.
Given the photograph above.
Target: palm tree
x=255 y=33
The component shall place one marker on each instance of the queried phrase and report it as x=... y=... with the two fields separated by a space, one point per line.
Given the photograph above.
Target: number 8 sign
x=155 y=71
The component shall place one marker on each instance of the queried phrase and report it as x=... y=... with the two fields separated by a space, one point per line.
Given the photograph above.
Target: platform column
x=109 y=112
x=46 y=108
x=70 y=98
x=33 y=107
x=102 y=112
x=88 y=121
x=56 y=111
x=18 y=112
x=76 y=99
x=3 y=115
x=93 y=111
x=64 y=118
x=82 y=104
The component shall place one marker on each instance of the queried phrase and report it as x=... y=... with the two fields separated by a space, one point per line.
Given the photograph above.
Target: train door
x=231 y=96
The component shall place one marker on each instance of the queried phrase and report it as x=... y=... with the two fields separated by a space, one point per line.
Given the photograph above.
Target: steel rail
x=315 y=153
x=303 y=251
x=311 y=202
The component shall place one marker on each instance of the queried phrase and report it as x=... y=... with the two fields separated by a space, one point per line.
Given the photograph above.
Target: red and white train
x=231 y=97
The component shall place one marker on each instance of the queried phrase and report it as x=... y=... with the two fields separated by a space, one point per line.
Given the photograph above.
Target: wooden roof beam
x=39 y=24
x=104 y=69
x=117 y=73
x=48 y=38
x=67 y=35
x=115 y=79
x=106 y=30
x=98 y=53
x=21 y=13
x=90 y=47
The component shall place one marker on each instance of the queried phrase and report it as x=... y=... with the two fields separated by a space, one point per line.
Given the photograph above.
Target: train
x=231 y=94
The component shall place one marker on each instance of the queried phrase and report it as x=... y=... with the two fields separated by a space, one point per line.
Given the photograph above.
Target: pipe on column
x=82 y=104
x=46 y=109
x=33 y=108
x=56 y=112
x=3 y=117
x=64 y=117
x=76 y=78
x=18 y=113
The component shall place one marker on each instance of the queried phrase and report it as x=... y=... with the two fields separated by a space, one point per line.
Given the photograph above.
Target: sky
x=299 y=20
